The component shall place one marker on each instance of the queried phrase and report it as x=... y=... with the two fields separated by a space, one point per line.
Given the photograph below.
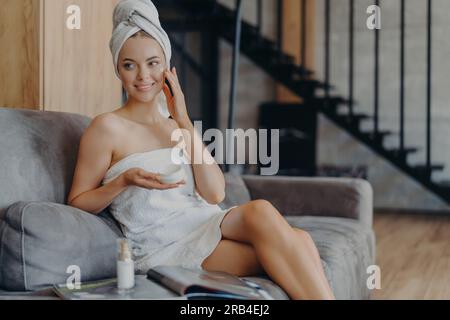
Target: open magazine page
x=191 y=282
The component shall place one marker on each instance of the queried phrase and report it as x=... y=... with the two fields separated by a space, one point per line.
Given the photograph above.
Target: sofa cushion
x=236 y=192
x=39 y=150
x=40 y=240
x=347 y=247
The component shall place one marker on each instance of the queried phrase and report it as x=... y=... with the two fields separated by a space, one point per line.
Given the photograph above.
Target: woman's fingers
x=173 y=79
x=151 y=180
x=154 y=184
x=169 y=99
x=173 y=185
x=163 y=186
x=167 y=90
x=150 y=175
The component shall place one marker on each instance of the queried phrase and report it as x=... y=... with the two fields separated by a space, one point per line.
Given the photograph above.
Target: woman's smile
x=145 y=87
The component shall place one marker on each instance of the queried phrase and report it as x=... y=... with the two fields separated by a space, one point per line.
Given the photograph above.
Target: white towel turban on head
x=131 y=16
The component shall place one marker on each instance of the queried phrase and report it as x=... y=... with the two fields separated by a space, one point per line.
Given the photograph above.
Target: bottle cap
x=124 y=252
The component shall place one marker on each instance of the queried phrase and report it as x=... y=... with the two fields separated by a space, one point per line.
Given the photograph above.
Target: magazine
x=206 y=284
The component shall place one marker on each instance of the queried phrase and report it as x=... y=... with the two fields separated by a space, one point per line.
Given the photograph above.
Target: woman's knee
x=259 y=210
x=261 y=215
x=304 y=236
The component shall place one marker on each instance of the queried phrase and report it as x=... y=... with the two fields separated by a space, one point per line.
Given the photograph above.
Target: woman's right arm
x=96 y=200
x=94 y=158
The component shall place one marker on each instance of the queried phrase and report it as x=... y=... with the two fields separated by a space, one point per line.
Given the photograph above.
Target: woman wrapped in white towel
x=124 y=154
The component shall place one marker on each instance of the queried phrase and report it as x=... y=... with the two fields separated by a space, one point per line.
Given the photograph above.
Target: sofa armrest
x=292 y=196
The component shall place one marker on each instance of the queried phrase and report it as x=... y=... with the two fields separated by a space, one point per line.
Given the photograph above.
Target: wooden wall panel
x=19 y=54
x=292 y=16
x=78 y=69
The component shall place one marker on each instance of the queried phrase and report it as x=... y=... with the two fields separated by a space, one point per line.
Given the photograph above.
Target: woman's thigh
x=233 y=257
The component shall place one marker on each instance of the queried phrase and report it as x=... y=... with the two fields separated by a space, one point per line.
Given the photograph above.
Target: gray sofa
x=40 y=236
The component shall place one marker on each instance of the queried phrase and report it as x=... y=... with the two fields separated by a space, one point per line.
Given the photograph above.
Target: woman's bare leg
x=284 y=254
x=315 y=254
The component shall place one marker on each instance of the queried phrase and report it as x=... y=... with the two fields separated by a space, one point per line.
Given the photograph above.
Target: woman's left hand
x=176 y=103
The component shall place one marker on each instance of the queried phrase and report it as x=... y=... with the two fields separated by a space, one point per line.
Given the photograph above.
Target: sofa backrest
x=38 y=151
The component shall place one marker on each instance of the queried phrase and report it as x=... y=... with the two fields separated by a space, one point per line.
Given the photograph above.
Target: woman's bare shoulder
x=102 y=135
x=105 y=123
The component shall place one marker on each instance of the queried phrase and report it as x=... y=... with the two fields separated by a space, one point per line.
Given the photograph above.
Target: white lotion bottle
x=125 y=265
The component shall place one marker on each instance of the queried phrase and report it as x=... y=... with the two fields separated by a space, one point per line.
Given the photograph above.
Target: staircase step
x=445 y=184
x=305 y=87
x=279 y=58
x=425 y=172
x=361 y=116
x=290 y=70
x=268 y=50
x=377 y=137
x=261 y=46
x=301 y=71
x=251 y=30
x=329 y=104
x=354 y=119
x=267 y=55
x=444 y=187
x=402 y=155
x=438 y=167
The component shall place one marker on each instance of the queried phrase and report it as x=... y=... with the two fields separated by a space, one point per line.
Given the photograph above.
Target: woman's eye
x=128 y=66
x=153 y=63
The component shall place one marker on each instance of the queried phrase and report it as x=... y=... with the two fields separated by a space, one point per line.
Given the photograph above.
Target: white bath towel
x=131 y=16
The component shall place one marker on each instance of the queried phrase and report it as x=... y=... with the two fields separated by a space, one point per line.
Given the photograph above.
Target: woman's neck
x=143 y=112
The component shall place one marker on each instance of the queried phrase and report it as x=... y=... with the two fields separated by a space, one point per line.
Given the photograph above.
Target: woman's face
x=141 y=67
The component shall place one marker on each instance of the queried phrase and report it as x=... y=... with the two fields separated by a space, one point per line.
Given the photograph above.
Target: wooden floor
x=413 y=253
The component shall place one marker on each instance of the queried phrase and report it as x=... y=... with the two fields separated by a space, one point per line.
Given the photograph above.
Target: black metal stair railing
x=376 y=82
x=351 y=54
x=327 y=53
x=402 y=78
x=267 y=54
x=428 y=164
